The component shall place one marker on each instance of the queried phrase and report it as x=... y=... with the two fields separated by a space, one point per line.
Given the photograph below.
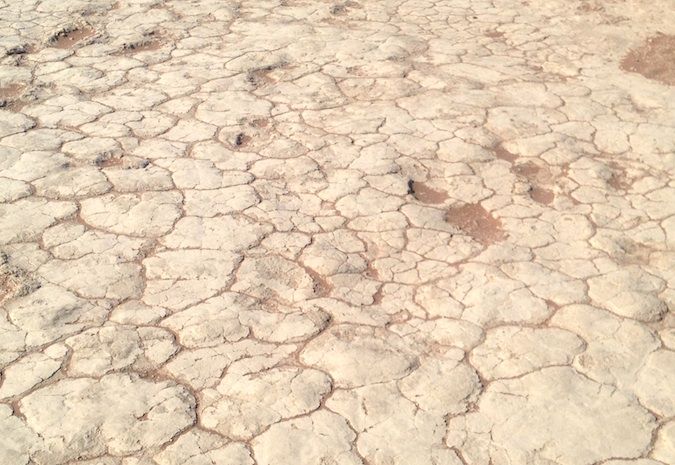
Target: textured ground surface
x=299 y=232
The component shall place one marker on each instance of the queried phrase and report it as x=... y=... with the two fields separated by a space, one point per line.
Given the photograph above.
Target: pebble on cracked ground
x=316 y=232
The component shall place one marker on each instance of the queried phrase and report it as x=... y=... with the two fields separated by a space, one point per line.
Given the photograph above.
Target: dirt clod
x=241 y=140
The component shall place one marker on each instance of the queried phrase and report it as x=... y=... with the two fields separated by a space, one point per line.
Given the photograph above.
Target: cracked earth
x=304 y=232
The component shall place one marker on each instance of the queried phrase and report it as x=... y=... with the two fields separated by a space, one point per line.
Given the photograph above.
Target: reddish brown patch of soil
x=541 y=195
x=9 y=97
x=425 y=194
x=494 y=34
x=10 y=92
x=503 y=154
x=475 y=221
x=654 y=59
x=70 y=38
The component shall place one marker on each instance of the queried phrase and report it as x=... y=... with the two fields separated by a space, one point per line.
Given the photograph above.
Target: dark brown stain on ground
x=654 y=59
x=503 y=154
x=477 y=222
x=426 y=194
x=70 y=38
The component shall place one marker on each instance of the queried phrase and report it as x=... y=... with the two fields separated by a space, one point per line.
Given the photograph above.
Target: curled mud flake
x=503 y=154
x=494 y=34
x=425 y=194
x=475 y=221
x=541 y=195
x=68 y=38
x=654 y=59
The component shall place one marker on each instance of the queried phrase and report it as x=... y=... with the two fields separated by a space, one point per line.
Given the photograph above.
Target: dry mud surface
x=296 y=232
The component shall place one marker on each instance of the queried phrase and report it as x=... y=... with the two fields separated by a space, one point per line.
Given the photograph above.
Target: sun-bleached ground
x=297 y=232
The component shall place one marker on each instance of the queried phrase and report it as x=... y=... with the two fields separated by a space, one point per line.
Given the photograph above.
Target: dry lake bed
x=372 y=232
